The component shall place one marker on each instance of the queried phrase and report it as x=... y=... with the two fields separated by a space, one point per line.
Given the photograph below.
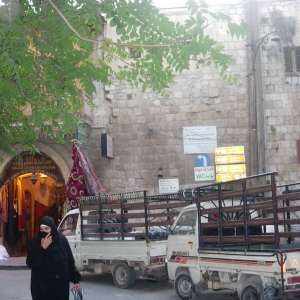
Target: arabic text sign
x=200 y=139
x=229 y=159
x=228 y=177
x=204 y=173
x=229 y=150
x=168 y=186
x=237 y=168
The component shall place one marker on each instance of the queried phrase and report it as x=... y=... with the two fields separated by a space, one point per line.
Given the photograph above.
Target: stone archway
x=49 y=197
x=65 y=165
x=37 y=163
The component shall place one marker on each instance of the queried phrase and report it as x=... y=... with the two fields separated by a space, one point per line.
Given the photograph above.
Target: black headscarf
x=54 y=247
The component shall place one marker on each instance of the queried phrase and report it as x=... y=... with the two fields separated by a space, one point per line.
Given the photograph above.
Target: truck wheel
x=184 y=286
x=123 y=276
x=250 y=293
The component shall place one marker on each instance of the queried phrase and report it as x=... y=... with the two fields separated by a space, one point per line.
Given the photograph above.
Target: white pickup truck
x=122 y=234
x=240 y=236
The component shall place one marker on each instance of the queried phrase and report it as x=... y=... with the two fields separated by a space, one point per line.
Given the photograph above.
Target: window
x=292 y=65
x=186 y=223
x=292 y=60
x=68 y=227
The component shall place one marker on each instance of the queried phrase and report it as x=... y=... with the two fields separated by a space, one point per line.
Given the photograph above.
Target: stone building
x=260 y=113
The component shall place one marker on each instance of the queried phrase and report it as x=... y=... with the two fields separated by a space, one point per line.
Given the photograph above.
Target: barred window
x=292 y=65
x=292 y=60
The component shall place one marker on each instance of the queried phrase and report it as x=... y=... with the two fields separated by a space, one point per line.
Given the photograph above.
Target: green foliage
x=47 y=54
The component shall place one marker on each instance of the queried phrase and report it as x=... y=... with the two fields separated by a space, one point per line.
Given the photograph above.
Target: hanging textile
x=42 y=210
x=20 y=196
x=5 y=203
x=94 y=186
x=13 y=219
x=83 y=180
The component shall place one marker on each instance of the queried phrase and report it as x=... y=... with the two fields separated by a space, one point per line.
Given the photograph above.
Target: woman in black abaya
x=52 y=264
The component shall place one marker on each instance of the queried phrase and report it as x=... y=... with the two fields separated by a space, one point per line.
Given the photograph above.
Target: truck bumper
x=291 y=292
x=156 y=271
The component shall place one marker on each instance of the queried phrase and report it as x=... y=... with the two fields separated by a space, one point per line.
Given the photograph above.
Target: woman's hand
x=76 y=286
x=45 y=242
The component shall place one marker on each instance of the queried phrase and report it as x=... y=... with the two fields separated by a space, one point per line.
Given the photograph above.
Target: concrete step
x=13 y=263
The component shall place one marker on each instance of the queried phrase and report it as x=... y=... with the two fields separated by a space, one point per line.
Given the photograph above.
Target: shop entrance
x=30 y=189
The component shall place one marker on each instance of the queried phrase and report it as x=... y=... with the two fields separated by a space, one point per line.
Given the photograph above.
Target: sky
x=180 y=3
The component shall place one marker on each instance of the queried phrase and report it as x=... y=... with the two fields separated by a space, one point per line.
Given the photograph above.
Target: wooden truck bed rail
x=237 y=215
x=125 y=216
x=246 y=214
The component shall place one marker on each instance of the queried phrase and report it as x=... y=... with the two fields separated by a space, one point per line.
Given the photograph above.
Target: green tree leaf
x=47 y=56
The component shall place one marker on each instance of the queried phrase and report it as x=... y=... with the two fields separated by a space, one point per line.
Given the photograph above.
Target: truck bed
x=242 y=217
x=137 y=251
x=128 y=216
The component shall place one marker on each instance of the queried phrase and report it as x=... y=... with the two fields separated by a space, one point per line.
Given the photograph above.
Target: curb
x=14 y=268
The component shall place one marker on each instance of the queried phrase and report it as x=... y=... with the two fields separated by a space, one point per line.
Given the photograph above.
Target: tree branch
x=184 y=39
x=70 y=26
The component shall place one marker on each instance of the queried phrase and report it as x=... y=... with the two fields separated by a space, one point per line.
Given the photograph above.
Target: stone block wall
x=148 y=129
x=281 y=98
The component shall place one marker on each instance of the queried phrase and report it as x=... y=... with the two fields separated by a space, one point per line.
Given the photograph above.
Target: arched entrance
x=30 y=188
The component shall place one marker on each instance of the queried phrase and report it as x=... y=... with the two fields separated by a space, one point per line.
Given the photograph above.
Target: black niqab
x=54 y=247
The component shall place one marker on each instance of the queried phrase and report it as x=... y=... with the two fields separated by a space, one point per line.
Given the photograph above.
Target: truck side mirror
x=169 y=230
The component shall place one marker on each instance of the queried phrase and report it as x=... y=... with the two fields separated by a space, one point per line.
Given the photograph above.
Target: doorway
x=29 y=191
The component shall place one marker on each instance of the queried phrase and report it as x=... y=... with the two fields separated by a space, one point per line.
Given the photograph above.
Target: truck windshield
x=186 y=224
x=69 y=224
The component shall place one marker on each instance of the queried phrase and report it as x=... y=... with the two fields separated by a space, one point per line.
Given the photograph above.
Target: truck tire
x=184 y=286
x=123 y=275
x=250 y=292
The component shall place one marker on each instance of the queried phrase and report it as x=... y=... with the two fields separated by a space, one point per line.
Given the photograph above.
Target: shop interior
x=23 y=201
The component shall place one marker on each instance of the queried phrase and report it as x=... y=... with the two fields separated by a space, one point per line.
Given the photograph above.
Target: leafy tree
x=47 y=57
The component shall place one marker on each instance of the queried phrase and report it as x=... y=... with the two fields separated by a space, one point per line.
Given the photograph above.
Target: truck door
x=70 y=229
x=183 y=237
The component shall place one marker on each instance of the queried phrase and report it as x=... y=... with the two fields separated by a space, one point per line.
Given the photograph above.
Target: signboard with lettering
x=228 y=177
x=229 y=159
x=168 y=186
x=229 y=150
x=204 y=173
x=228 y=163
x=200 y=139
x=237 y=168
x=81 y=135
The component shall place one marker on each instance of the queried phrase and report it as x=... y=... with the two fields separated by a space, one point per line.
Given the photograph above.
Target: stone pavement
x=14 y=263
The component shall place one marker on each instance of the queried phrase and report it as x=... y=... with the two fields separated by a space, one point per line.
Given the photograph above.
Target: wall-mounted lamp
x=33 y=179
x=275 y=37
x=256 y=46
x=160 y=173
x=43 y=179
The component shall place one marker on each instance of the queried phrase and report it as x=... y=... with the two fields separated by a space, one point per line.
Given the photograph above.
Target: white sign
x=204 y=173
x=168 y=186
x=201 y=139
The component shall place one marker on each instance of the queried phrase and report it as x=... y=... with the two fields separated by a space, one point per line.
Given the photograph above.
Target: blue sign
x=202 y=160
x=81 y=135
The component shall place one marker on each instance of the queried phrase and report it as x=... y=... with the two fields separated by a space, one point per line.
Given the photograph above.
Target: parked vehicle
x=241 y=236
x=122 y=234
